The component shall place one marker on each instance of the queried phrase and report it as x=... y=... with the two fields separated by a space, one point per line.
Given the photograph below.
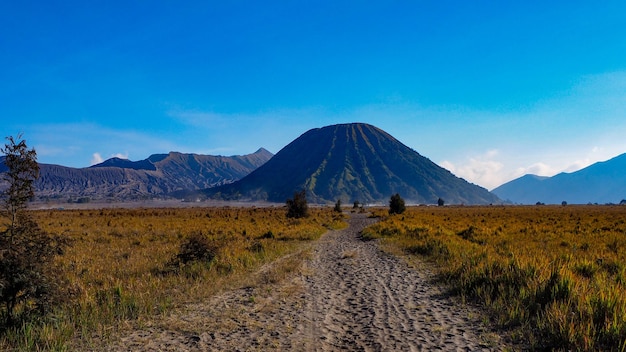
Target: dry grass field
x=554 y=276
x=123 y=265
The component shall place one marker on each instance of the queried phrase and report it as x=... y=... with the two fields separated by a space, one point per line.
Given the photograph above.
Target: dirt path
x=348 y=295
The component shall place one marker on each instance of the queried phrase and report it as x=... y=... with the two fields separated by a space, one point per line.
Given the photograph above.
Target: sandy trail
x=348 y=295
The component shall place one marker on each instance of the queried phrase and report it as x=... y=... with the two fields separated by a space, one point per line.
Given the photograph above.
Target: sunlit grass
x=557 y=274
x=117 y=264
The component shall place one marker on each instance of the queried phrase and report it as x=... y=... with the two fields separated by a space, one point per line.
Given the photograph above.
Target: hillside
x=602 y=182
x=158 y=175
x=352 y=162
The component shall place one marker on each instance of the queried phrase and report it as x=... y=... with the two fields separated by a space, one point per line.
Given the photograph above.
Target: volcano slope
x=346 y=295
x=351 y=162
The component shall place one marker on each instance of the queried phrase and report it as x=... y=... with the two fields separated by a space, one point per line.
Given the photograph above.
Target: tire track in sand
x=360 y=298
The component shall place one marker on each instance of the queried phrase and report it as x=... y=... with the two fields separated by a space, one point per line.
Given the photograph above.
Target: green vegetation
x=29 y=286
x=337 y=207
x=298 y=207
x=396 y=204
x=555 y=276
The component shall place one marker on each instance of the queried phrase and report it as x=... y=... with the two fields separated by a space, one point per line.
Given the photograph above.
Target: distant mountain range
x=351 y=162
x=158 y=175
x=602 y=182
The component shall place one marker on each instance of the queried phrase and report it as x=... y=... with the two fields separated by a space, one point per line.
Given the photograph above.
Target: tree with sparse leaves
x=28 y=279
x=22 y=172
x=396 y=204
x=298 y=207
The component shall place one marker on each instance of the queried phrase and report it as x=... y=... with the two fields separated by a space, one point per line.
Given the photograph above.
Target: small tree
x=28 y=278
x=441 y=202
x=298 y=207
x=396 y=204
x=338 y=206
x=22 y=172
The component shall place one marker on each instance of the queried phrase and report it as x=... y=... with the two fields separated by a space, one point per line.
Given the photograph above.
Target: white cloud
x=73 y=144
x=491 y=169
x=120 y=155
x=96 y=159
x=578 y=164
x=539 y=168
x=483 y=169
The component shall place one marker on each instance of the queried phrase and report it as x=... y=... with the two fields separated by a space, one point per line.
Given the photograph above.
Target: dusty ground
x=341 y=294
x=139 y=204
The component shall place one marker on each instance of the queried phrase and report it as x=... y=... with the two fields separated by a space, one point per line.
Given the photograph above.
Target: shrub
x=28 y=279
x=298 y=207
x=338 y=206
x=396 y=204
x=268 y=235
x=197 y=248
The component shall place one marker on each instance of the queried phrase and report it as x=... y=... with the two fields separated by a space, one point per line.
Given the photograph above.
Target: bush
x=197 y=248
x=338 y=206
x=268 y=235
x=28 y=276
x=298 y=207
x=396 y=204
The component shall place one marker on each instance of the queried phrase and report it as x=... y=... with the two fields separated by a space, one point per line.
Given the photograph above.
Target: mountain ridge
x=156 y=176
x=601 y=182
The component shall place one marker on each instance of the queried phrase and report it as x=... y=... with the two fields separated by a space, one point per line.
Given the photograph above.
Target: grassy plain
x=555 y=276
x=123 y=265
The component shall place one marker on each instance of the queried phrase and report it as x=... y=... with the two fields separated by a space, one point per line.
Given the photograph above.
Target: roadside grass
x=553 y=275
x=123 y=265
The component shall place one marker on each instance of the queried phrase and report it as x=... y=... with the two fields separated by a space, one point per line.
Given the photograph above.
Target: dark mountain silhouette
x=158 y=175
x=602 y=182
x=352 y=162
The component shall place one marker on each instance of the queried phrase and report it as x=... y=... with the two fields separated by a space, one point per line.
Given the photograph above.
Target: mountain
x=602 y=182
x=158 y=175
x=352 y=162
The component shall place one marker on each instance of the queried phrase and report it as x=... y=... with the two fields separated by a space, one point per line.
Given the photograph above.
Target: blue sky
x=490 y=90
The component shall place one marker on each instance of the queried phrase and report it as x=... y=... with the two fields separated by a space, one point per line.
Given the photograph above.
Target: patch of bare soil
x=341 y=294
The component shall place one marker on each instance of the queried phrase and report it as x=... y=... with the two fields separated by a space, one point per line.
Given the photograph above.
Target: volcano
x=351 y=162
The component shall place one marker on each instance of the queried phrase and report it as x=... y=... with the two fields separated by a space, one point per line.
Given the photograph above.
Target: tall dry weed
x=119 y=265
x=554 y=273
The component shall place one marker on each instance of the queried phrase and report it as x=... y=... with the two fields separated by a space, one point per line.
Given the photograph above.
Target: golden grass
x=117 y=264
x=555 y=275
